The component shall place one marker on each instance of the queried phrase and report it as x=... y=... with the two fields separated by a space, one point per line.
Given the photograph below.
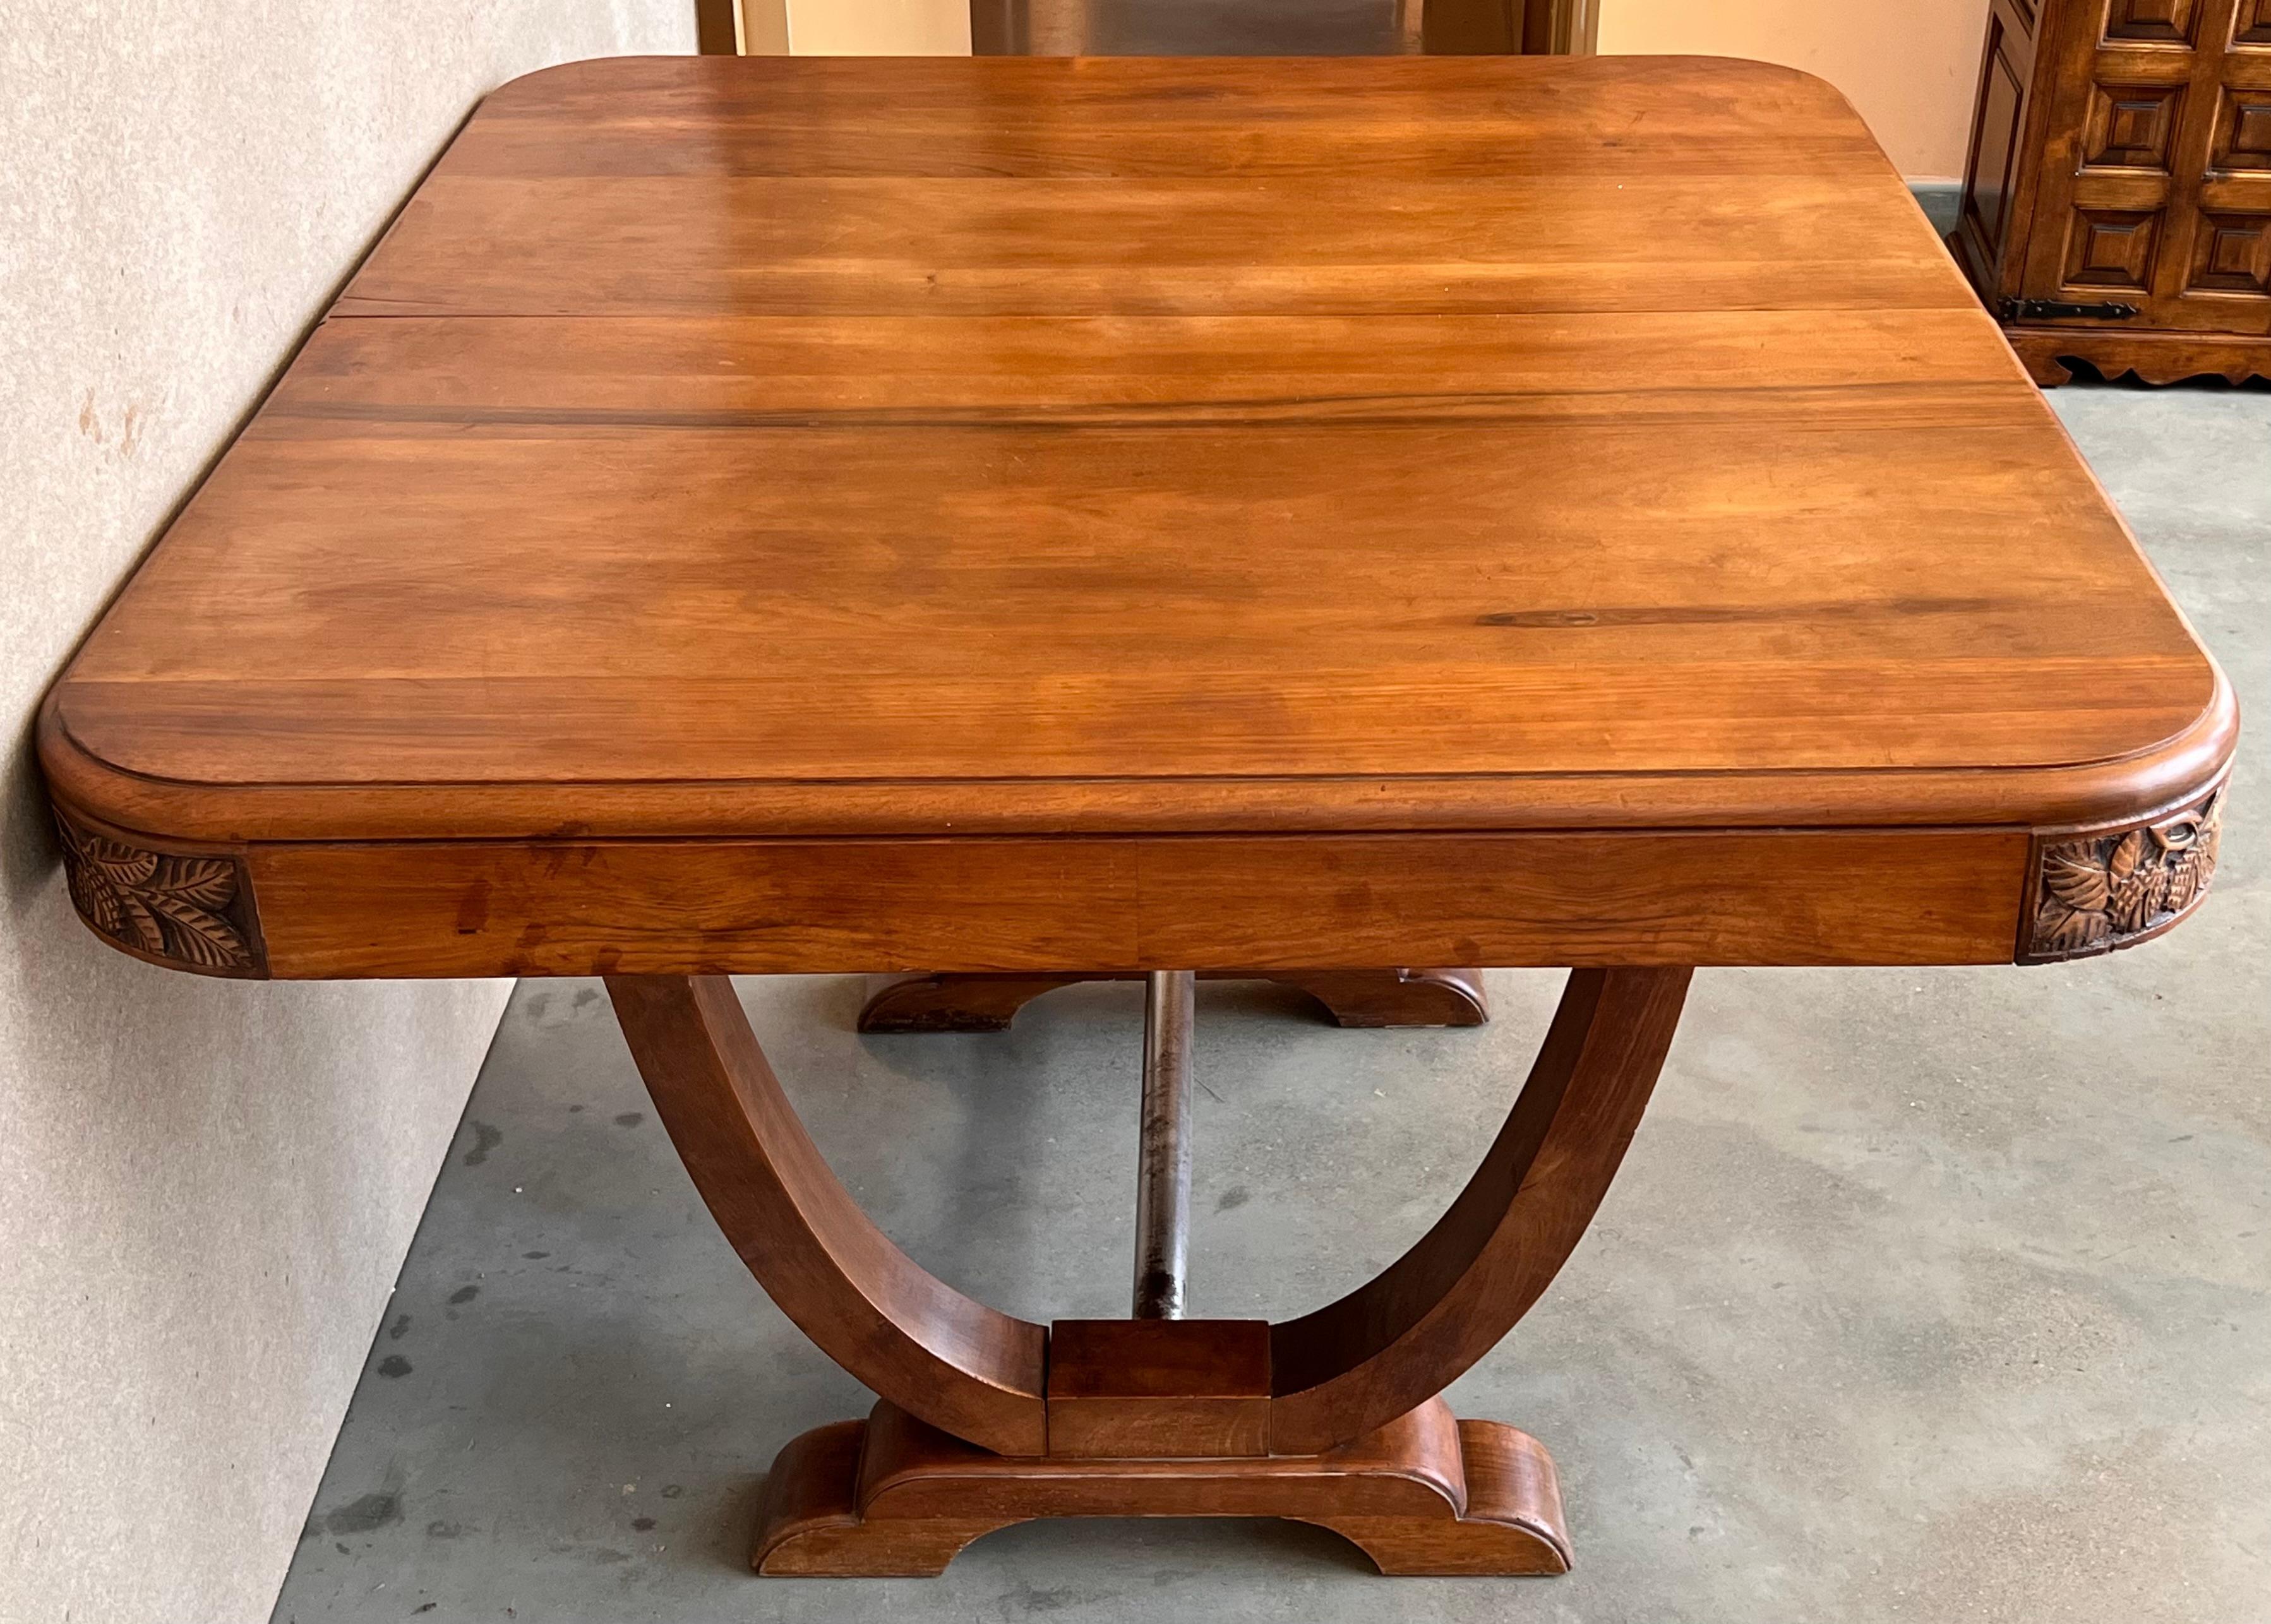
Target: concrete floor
x=1938 y=1295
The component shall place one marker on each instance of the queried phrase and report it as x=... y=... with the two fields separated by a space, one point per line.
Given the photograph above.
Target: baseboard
x=1939 y=200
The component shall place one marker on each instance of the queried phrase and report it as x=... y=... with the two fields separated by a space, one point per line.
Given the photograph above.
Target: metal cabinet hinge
x=2061 y=309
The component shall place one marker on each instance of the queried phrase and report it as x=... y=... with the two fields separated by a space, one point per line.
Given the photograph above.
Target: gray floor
x=1940 y=1295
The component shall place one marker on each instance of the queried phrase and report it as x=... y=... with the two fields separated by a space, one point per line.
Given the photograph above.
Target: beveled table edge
x=2130 y=788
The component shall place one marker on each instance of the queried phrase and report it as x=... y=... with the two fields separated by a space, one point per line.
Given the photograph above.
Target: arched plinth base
x=1426 y=1493
x=988 y=1419
x=970 y=1000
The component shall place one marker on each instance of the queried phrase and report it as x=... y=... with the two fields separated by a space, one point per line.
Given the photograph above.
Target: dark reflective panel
x=1194 y=27
x=1275 y=27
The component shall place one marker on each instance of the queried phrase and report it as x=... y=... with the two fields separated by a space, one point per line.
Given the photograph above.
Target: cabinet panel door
x=1992 y=173
x=2156 y=172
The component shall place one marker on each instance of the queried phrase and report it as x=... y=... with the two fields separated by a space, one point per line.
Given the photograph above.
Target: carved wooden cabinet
x=2116 y=200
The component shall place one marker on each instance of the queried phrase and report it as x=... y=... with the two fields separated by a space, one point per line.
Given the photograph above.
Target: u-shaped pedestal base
x=988 y=1419
x=986 y=1001
x=1424 y=1494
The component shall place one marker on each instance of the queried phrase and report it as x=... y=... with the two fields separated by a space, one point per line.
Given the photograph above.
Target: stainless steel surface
x=1163 y=1172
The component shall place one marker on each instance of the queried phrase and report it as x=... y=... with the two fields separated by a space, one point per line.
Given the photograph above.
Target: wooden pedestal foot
x=965 y=1002
x=1395 y=997
x=974 y=1001
x=1424 y=1494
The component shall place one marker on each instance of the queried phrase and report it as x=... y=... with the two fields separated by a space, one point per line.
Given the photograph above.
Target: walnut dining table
x=1028 y=519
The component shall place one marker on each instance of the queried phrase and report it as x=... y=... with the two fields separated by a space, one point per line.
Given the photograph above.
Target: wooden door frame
x=1508 y=27
x=1441 y=27
x=741 y=28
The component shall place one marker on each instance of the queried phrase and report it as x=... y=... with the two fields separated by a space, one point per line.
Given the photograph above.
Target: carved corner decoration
x=2097 y=892
x=184 y=909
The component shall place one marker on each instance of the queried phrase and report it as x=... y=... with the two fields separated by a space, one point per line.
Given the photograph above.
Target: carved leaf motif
x=120 y=865
x=170 y=905
x=2066 y=931
x=2100 y=892
x=2075 y=879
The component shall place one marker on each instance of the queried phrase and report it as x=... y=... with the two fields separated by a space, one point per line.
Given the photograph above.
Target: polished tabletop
x=719 y=449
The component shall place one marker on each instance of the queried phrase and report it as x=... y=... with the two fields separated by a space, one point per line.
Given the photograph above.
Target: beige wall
x=206 y=1187
x=879 y=27
x=1908 y=65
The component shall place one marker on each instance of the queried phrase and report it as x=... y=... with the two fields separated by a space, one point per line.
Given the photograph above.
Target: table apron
x=669 y=907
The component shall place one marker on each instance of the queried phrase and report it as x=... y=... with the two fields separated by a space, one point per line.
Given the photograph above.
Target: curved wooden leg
x=869 y=1307
x=1415 y=1328
x=1424 y=1494
x=973 y=1000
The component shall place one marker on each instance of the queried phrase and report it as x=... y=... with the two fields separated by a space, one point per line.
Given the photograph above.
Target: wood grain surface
x=1151 y=1388
x=1298 y=903
x=730 y=448
x=1426 y=1493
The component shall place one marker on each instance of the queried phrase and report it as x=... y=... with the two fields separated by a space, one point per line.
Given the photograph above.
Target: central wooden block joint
x=1133 y=1390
